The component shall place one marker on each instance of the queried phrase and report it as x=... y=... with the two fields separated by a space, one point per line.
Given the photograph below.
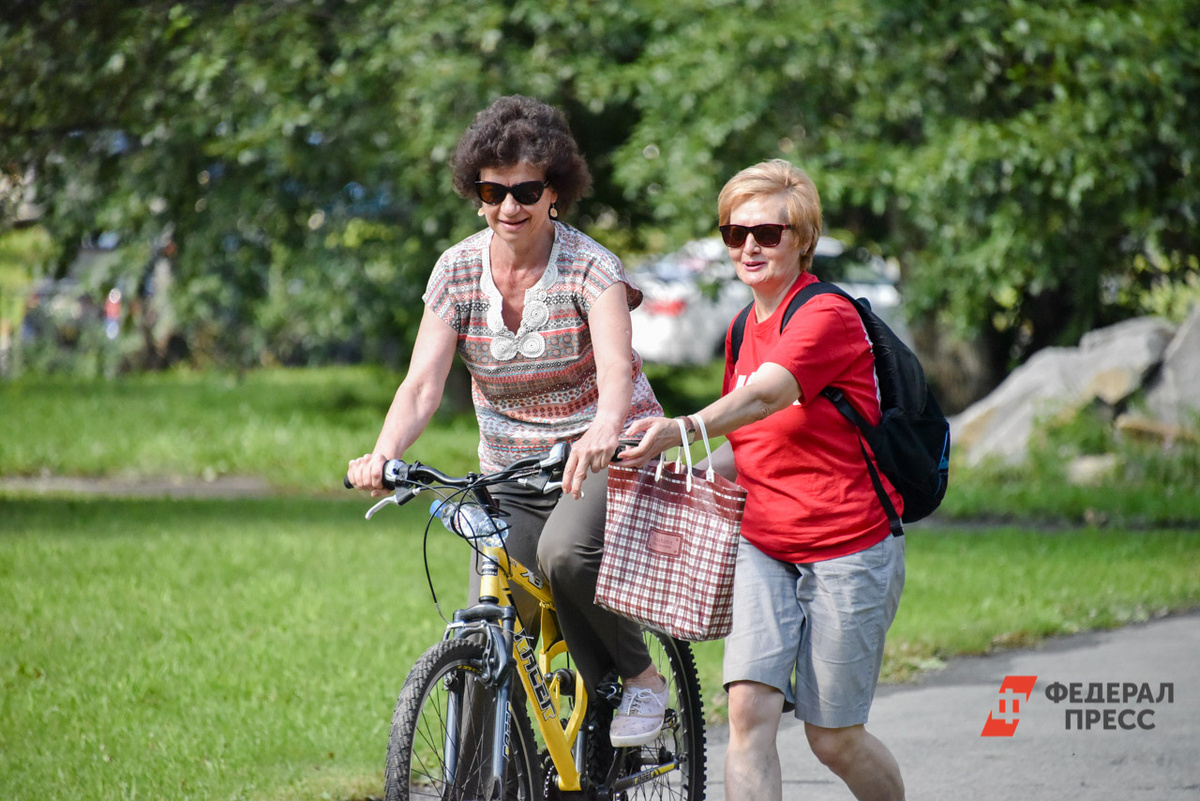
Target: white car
x=866 y=276
x=692 y=295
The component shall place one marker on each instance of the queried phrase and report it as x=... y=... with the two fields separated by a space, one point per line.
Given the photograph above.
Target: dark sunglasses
x=526 y=193
x=767 y=234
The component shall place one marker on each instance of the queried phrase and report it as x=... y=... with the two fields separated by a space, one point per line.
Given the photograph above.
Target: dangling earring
x=553 y=212
x=479 y=212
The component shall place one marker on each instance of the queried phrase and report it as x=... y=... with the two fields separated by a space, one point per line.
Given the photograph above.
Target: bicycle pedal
x=610 y=693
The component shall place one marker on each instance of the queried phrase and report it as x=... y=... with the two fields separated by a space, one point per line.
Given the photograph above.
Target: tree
x=296 y=152
x=1031 y=166
x=1051 y=180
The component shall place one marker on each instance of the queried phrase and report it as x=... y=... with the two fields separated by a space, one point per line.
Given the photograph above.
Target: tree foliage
x=1032 y=166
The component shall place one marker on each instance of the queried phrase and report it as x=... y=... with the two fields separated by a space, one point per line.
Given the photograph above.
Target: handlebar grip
x=394 y=471
x=624 y=445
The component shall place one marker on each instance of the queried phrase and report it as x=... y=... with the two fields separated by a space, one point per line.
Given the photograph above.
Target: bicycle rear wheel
x=682 y=737
x=441 y=738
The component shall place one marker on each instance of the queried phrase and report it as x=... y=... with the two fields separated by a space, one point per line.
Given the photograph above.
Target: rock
x=1091 y=470
x=1145 y=429
x=1124 y=354
x=1174 y=395
x=1109 y=365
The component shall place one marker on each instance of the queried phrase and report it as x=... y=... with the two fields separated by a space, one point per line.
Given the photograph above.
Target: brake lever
x=540 y=483
x=553 y=464
x=398 y=498
x=387 y=500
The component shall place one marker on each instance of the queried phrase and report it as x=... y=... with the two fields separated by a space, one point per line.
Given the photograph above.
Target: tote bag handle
x=683 y=452
x=708 y=474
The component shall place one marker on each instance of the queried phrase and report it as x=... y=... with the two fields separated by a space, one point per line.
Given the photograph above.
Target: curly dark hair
x=516 y=129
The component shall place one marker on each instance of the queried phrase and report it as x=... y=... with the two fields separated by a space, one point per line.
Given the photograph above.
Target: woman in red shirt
x=818 y=576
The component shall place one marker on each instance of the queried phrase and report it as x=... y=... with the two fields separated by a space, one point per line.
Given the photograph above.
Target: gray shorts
x=815 y=631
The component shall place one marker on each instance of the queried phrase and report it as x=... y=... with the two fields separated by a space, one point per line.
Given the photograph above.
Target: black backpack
x=912 y=441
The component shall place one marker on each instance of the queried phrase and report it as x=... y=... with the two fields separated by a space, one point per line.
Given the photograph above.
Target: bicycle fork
x=496 y=624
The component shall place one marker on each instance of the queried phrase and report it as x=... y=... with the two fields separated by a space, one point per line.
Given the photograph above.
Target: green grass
x=205 y=649
x=296 y=428
x=686 y=390
x=1149 y=484
x=253 y=649
x=971 y=591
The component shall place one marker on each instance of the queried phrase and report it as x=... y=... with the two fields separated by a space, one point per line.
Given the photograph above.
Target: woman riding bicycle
x=539 y=313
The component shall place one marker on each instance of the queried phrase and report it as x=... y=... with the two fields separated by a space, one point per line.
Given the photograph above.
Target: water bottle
x=471 y=522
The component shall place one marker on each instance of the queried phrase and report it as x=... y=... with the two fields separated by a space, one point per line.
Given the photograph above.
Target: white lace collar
x=527 y=340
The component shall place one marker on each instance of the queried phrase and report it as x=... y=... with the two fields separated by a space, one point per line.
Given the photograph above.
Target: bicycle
x=448 y=738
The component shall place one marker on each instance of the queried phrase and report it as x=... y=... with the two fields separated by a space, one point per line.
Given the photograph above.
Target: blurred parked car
x=692 y=295
x=690 y=298
x=863 y=275
x=61 y=311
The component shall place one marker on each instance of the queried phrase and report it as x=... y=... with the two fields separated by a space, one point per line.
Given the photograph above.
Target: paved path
x=933 y=727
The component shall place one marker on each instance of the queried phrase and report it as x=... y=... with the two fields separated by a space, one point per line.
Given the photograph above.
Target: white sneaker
x=639 y=718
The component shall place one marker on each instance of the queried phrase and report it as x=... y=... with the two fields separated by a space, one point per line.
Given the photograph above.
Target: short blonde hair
x=778 y=177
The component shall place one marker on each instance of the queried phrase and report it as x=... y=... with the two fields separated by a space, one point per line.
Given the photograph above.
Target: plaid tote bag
x=671 y=539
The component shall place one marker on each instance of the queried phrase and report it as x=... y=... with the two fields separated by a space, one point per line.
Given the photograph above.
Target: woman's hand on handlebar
x=591 y=453
x=366 y=473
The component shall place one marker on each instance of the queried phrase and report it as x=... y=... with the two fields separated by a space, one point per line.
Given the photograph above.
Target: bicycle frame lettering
x=528 y=660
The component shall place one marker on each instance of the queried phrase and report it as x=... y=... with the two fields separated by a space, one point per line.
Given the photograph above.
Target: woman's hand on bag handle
x=657 y=435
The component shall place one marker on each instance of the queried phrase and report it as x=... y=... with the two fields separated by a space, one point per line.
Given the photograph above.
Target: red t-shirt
x=809 y=495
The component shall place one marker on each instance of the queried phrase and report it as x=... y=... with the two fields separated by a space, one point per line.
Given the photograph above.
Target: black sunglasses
x=767 y=234
x=526 y=193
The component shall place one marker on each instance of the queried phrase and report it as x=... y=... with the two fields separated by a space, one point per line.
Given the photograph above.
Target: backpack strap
x=738 y=330
x=808 y=293
x=839 y=401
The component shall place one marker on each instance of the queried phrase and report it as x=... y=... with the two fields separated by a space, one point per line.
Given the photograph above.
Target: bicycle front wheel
x=442 y=734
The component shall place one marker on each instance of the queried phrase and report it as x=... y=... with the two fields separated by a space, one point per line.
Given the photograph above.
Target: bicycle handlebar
x=397 y=473
x=541 y=473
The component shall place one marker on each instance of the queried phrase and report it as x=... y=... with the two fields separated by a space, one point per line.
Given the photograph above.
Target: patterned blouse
x=535 y=386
